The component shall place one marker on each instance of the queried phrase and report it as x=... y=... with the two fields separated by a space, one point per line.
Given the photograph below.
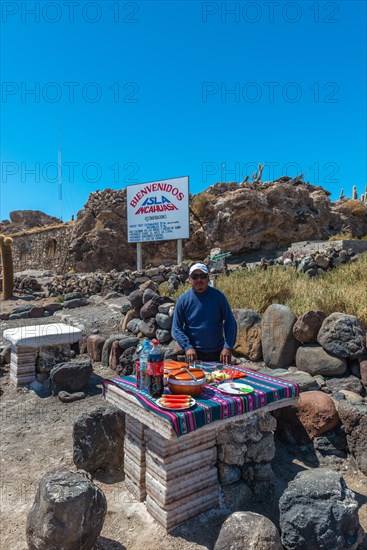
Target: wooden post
x=139 y=257
x=179 y=251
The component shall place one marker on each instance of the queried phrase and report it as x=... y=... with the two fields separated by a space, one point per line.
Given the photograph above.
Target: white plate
x=192 y=403
x=233 y=388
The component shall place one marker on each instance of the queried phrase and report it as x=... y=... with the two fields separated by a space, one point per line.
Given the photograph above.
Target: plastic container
x=180 y=382
x=155 y=370
x=143 y=366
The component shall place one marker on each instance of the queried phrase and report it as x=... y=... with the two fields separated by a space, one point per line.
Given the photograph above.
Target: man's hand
x=225 y=356
x=191 y=355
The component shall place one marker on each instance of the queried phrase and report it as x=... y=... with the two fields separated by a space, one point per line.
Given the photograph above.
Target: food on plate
x=220 y=375
x=210 y=378
x=175 y=401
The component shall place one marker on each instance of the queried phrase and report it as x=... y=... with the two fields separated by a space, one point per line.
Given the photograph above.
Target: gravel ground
x=36 y=435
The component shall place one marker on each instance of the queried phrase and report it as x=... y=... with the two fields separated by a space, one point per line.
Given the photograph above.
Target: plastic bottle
x=143 y=367
x=155 y=370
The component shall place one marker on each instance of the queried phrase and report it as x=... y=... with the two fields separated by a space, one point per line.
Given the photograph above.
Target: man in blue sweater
x=203 y=322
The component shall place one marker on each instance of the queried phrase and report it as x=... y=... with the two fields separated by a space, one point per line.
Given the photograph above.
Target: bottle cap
x=155 y=342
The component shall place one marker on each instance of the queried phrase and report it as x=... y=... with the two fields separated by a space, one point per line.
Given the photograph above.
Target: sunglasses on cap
x=196 y=276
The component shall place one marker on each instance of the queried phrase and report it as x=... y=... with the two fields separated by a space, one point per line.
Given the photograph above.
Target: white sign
x=158 y=210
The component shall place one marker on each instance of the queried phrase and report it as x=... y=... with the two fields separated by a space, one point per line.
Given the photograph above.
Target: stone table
x=176 y=476
x=27 y=340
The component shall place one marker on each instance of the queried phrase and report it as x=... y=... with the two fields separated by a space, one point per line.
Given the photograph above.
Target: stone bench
x=27 y=340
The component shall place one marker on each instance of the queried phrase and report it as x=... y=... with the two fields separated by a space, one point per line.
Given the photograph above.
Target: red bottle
x=155 y=370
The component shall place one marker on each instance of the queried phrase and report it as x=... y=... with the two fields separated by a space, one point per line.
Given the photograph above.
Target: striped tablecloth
x=212 y=404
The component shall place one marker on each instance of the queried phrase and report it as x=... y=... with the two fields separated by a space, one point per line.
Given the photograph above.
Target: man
x=203 y=322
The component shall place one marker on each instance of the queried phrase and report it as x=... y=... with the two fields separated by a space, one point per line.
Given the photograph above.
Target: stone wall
x=45 y=250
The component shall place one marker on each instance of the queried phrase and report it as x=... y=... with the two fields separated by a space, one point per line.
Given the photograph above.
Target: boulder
x=303 y=379
x=148 y=295
x=73 y=296
x=130 y=315
x=250 y=531
x=306 y=328
x=306 y=264
x=36 y=312
x=136 y=299
x=149 y=284
x=353 y=416
x=68 y=512
x=78 y=302
x=125 y=308
x=330 y=447
x=163 y=336
x=163 y=321
x=167 y=306
x=363 y=371
x=317 y=510
x=342 y=335
x=313 y=415
x=66 y=397
x=322 y=260
x=148 y=327
x=115 y=355
x=54 y=306
x=71 y=377
x=357 y=443
x=248 y=341
x=312 y=358
x=128 y=342
x=95 y=346
x=278 y=343
x=134 y=326
x=127 y=363
x=98 y=439
x=22 y=309
x=50 y=356
x=150 y=308
x=349 y=383
x=106 y=350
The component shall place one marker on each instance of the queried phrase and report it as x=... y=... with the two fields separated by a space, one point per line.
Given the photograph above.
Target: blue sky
x=151 y=90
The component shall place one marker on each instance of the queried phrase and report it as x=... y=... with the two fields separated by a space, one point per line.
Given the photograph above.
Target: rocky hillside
x=22 y=220
x=235 y=217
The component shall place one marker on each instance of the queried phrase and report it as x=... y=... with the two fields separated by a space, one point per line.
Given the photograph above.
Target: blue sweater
x=200 y=319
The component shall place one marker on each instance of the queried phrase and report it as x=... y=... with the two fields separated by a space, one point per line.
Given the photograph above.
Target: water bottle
x=155 y=370
x=143 y=367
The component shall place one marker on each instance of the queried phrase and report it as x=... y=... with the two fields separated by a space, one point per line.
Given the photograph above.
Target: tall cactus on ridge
x=354 y=193
x=6 y=252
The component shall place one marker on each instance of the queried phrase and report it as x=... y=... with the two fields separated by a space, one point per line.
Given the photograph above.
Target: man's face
x=199 y=280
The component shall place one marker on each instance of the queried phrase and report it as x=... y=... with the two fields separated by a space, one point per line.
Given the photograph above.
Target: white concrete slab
x=36 y=336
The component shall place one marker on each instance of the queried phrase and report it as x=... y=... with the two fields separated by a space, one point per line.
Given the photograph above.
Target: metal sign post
x=179 y=251
x=139 y=257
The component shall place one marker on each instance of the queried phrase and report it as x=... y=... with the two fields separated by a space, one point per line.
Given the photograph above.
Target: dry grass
x=356 y=207
x=343 y=289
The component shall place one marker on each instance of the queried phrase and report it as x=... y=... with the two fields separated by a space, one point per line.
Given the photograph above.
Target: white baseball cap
x=200 y=267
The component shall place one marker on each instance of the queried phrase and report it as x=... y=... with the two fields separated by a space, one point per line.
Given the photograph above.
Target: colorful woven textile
x=212 y=404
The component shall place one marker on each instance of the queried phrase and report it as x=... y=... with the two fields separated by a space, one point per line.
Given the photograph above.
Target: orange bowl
x=180 y=382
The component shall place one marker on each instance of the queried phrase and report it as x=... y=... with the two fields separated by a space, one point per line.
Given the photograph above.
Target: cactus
x=341 y=194
x=7 y=266
x=354 y=193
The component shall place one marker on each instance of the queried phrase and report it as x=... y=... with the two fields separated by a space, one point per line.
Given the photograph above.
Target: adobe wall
x=44 y=250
